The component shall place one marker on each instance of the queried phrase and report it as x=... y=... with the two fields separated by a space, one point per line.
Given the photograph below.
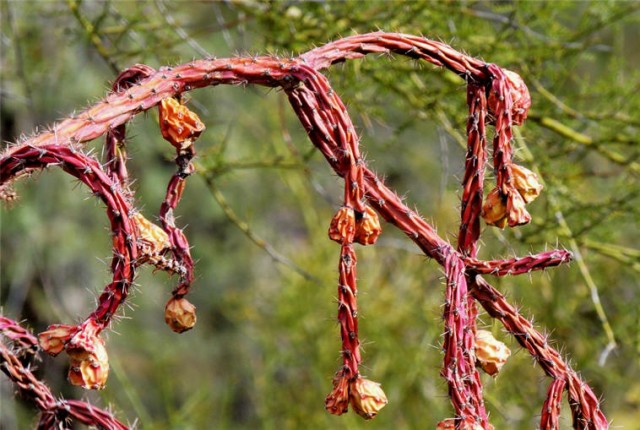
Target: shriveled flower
x=366 y=397
x=343 y=225
x=153 y=239
x=54 y=339
x=367 y=227
x=337 y=402
x=491 y=354
x=494 y=210
x=517 y=213
x=89 y=361
x=89 y=369
x=180 y=314
x=526 y=182
x=179 y=125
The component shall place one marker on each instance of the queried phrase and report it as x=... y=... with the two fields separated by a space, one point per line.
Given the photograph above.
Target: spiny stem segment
x=495 y=97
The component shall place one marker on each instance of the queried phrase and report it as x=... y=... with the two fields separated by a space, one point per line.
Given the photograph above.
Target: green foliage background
x=266 y=344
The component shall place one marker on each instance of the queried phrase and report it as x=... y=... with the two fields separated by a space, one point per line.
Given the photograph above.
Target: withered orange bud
x=518 y=214
x=153 y=238
x=526 y=182
x=54 y=339
x=491 y=354
x=368 y=227
x=494 y=210
x=343 y=225
x=337 y=402
x=180 y=314
x=179 y=126
x=89 y=366
x=366 y=397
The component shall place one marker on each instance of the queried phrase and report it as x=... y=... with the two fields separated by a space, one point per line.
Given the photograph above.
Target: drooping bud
x=343 y=226
x=53 y=340
x=366 y=397
x=494 y=210
x=491 y=354
x=526 y=182
x=337 y=402
x=367 y=227
x=179 y=125
x=89 y=361
x=180 y=314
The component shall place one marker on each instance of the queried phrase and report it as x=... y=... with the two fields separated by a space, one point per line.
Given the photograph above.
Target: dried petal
x=518 y=214
x=368 y=227
x=526 y=182
x=494 y=210
x=343 y=226
x=54 y=339
x=366 y=397
x=178 y=124
x=180 y=314
x=154 y=239
x=337 y=402
x=491 y=354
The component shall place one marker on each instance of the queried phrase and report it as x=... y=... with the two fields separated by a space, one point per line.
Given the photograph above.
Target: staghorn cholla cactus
x=495 y=97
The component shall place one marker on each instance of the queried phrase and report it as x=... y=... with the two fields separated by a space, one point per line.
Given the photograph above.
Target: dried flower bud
x=180 y=314
x=367 y=227
x=490 y=353
x=337 y=402
x=494 y=210
x=154 y=239
x=54 y=339
x=519 y=96
x=526 y=182
x=179 y=126
x=366 y=397
x=89 y=369
x=343 y=226
x=518 y=214
x=89 y=361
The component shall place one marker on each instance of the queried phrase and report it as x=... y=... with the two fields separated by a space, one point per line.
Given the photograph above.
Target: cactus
x=495 y=97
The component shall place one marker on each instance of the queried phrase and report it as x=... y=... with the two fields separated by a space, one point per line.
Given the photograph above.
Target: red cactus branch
x=465 y=389
x=54 y=412
x=494 y=96
x=550 y=417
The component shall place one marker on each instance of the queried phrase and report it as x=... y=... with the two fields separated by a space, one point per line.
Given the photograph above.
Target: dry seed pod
x=180 y=314
x=491 y=354
x=518 y=214
x=366 y=397
x=343 y=226
x=179 y=126
x=89 y=361
x=467 y=424
x=367 y=227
